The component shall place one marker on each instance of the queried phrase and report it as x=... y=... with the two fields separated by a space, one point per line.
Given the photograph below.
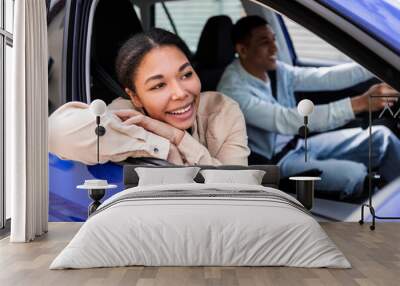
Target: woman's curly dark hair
x=135 y=48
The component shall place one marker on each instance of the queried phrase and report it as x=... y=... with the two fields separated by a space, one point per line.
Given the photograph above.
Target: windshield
x=380 y=18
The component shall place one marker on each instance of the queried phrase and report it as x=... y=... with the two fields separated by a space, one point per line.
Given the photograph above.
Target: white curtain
x=26 y=123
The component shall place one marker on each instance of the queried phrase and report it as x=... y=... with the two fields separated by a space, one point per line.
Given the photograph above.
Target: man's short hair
x=241 y=31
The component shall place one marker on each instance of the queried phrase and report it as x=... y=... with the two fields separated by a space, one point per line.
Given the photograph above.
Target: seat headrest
x=215 y=48
x=114 y=23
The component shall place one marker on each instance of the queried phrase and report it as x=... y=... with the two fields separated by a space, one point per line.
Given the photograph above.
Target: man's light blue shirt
x=267 y=117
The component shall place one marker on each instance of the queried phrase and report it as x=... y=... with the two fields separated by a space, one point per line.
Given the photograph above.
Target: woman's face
x=167 y=87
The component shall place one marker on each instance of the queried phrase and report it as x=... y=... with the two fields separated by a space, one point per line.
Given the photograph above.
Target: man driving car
x=264 y=88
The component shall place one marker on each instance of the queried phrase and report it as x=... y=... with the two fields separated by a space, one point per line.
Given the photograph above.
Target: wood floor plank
x=374 y=255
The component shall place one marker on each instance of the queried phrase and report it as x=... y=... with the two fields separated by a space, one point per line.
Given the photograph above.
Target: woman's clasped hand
x=131 y=116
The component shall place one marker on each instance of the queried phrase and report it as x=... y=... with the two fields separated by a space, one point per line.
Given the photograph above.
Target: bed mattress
x=201 y=225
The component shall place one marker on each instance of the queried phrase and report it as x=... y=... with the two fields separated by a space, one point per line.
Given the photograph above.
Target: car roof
x=379 y=18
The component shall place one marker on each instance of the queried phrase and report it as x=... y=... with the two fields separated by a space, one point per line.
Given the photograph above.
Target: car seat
x=114 y=22
x=215 y=51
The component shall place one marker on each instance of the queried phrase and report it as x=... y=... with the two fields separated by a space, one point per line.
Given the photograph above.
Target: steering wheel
x=151 y=161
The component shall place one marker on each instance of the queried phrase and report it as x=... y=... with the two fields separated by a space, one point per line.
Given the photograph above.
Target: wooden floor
x=374 y=255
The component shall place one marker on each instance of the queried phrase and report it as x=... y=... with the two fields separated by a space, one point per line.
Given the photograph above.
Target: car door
x=67 y=23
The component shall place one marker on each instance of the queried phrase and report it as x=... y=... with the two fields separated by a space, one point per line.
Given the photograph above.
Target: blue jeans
x=342 y=156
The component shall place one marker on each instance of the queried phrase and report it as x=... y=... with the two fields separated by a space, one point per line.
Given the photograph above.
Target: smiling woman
x=165 y=116
x=164 y=85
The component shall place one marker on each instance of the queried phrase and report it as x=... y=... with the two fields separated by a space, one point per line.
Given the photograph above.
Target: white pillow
x=166 y=176
x=248 y=177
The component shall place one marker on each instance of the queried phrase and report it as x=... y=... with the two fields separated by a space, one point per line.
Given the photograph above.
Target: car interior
x=214 y=52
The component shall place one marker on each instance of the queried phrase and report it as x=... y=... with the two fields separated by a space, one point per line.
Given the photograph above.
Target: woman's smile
x=182 y=113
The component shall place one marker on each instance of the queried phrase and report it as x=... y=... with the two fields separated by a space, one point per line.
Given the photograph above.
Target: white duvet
x=207 y=230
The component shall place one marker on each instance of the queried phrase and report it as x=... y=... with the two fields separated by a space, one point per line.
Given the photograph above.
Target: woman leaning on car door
x=165 y=116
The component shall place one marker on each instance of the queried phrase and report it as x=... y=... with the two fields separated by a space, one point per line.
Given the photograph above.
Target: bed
x=201 y=224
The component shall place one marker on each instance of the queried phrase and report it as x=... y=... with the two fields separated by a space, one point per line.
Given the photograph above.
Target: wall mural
x=329 y=158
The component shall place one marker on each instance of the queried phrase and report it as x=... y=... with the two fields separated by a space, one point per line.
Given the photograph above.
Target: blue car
x=84 y=37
